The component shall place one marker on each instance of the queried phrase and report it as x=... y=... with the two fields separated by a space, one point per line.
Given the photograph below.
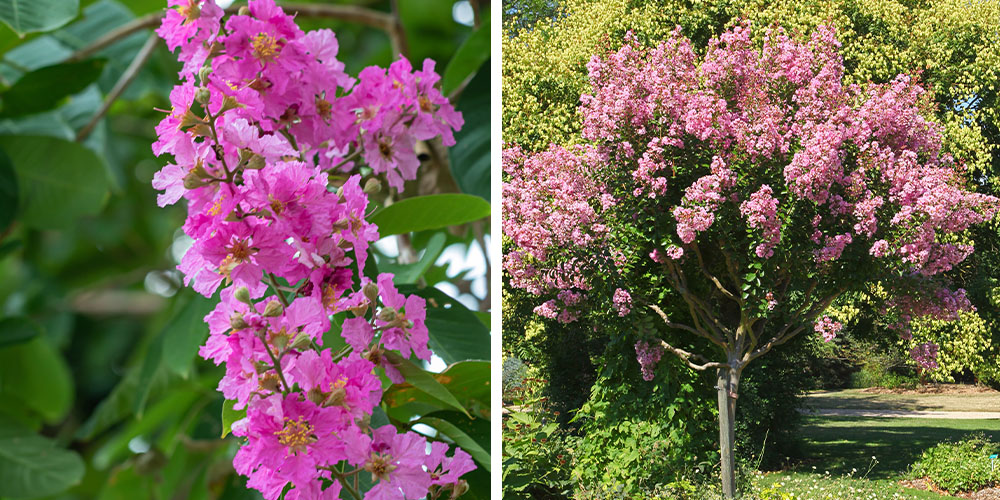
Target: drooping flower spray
x=268 y=134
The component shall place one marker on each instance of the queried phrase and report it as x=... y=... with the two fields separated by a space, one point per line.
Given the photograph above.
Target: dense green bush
x=961 y=466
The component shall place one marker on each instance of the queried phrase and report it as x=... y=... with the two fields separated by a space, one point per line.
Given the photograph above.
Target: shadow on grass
x=839 y=444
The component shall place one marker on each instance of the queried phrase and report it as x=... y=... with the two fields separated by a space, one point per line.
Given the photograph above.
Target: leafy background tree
x=950 y=44
x=103 y=393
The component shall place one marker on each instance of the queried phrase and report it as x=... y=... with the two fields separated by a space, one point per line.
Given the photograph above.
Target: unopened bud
x=244 y=11
x=256 y=162
x=243 y=295
x=193 y=181
x=371 y=292
x=387 y=314
x=273 y=309
x=203 y=73
x=302 y=341
x=336 y=397
x=237 y=321
x=202 y=95
x=372 y=186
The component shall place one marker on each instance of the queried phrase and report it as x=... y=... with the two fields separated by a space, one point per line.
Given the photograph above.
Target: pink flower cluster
x=925 y=355
x=550 y=204
x=264 y=114
x=761 y=211
x=648 y=356
x=622 y=301
x=828 y=328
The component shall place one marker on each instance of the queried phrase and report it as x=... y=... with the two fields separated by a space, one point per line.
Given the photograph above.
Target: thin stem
x=341 y=477
x=273 y=281
x=262 y=335
x=126 y=79
x=345 y=160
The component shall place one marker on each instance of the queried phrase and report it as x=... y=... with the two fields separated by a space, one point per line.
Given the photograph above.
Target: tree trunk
x=728 y=385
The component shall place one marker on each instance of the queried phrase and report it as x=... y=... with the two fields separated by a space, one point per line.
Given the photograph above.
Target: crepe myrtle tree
x=735 y=195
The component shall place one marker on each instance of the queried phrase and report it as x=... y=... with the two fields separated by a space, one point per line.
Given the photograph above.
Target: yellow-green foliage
x=953 y=44
x=964 y=343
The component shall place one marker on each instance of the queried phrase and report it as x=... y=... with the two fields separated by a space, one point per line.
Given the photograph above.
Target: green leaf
x=185 y=334
x=230 y=415
x=469 y=381
x=456 y=333
x=469 y=57
x=470 y=156
x=17 y=329
x=37 y=376
x=434 y=211
x=424 y=381
x=27 y=16
x=44 y=88
x=34 y=466
x=60 y=180
x=8 y=192
x=8 y=247
x=460 y=438
x=410 y=273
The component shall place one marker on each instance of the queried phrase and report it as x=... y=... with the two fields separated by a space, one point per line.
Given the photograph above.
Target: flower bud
x=372 y=186
x=302 y=341
x=336 y=397
x=387 y=314
x=243 y=295
x=237 y=321
x=273 y=309
x=244 y=11
x=256 y=162
x=203 y=73
x=202 y=95
x=191 y=181
x=261 y=367
x=371 y=292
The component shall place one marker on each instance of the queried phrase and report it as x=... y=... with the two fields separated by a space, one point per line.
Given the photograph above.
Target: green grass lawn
x=840 y=444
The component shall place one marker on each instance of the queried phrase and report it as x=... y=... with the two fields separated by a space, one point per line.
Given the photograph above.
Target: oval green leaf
x=460 y=438
x=16 y=329
x=8 y=192
x=60 y=180
x=34 y=466
x=473 y=52
x=44 y=88
x=424 y=381
x=230 y=415
x=433 y=211
x=28 y=16
x=35 y=375
x=470 y=156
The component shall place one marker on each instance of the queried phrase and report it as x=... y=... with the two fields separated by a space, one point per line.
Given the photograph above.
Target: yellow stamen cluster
x=265 y=47
x=296 y=435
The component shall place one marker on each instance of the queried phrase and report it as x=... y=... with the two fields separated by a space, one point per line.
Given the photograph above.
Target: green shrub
x=961 y=466
x=536 y=461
